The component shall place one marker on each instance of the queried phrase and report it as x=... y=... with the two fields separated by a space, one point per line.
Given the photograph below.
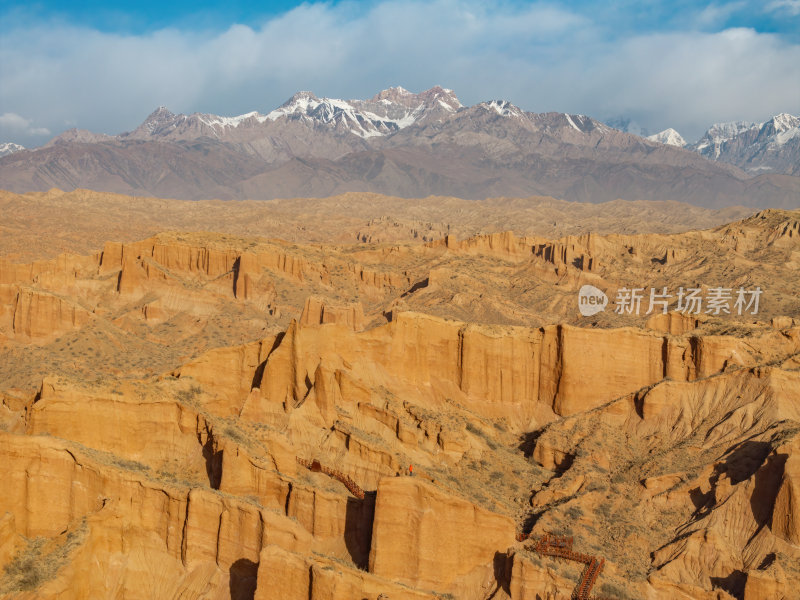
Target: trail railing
x=316 y=467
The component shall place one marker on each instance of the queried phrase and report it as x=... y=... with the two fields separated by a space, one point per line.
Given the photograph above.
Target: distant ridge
x=772 y=146
x=399 y=143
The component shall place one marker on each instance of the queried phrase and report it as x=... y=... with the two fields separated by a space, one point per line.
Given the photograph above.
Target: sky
x=104 y=66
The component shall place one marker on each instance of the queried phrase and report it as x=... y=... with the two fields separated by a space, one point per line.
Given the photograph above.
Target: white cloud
x=540 y=56
x=14 y=125
x=714 y=14
x=13 y=121
x=790 y=6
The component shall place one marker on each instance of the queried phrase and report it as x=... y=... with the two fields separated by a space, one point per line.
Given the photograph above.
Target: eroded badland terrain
x=224 y=400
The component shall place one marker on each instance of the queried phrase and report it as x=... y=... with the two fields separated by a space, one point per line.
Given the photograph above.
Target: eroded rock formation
x=669 y=450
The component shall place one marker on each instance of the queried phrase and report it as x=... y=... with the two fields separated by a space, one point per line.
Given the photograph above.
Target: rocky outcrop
x=231 y=271
x=279 y=467
x=572 y=251
x=231 y=373
x=674 y=323
x=737 y=511
x=786 y=512
x=317 y=312
x=290 y=576
x=193 y=526
x=32 y=314
x=496 y=371
x=426 y=538
x=59 y=272
x=530 y=582
x=378 y=282
x=119 y=424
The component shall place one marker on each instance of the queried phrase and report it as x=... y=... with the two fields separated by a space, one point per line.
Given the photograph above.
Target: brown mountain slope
x=397 y=143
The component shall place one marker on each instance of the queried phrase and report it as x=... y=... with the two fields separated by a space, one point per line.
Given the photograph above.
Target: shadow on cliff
x=243 y=579
x=733 y=584
x=750 y=459
x=502 y=563
x=213 y=463
x=527 y=442
x=754 y=459
x=358 y=528
x=259 y=372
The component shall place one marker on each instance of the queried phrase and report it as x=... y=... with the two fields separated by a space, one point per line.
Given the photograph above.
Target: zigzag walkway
x=561 y=547
x=346 y=480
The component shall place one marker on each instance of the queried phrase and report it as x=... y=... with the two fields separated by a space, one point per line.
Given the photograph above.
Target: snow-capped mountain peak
x=392 y=94
x=159 y=118
x=669 y=137
x=7 y=148
x=504 y=108
x=783 y=122
x=783 y=127
x=217 y=121
x=388 y=111
x=755 y=147
x=444 y=97
x=306 y=103
x=720 y=132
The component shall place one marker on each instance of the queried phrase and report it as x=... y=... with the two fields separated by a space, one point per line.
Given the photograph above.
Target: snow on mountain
x=10 y=148
x=669 y=137
x=504 y=108
x=159 y=119
x=710 y=144
x=345 y=115
x=783 y=122
x=388 y=112
x=584 y=124
x=307 y=104
x=755 y=147
x=409 y=144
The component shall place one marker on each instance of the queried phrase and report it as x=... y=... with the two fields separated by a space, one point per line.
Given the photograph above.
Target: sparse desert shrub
x=574 y=512
x=604 y=509
x=233 y=433
x=500 y=426
x=496 y=475
x=472 y=428
x=595 y=485
x=35 y=563
x=481 y=497
x=127 y=464
x=190 y=394
x=25 y=572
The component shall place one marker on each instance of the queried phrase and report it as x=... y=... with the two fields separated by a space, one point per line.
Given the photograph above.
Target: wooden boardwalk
x=346 y=480
x=561 y=547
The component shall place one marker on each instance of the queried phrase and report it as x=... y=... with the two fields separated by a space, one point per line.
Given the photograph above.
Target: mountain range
x=414 y=145
x=772 y=146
